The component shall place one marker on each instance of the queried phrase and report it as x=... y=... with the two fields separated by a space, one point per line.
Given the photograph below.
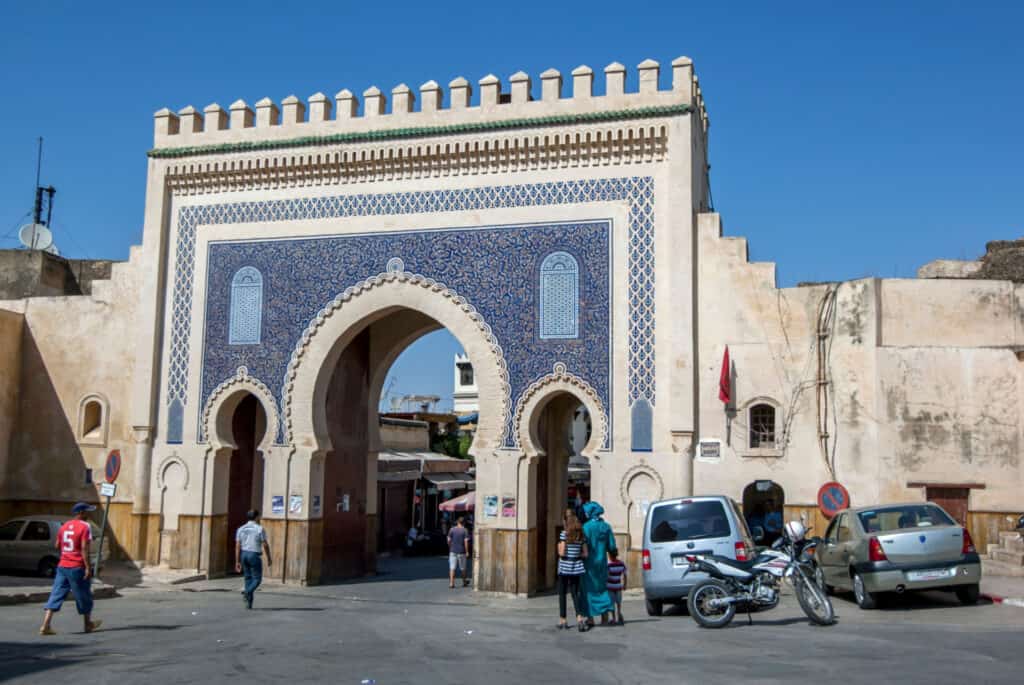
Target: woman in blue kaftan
x=600 y=539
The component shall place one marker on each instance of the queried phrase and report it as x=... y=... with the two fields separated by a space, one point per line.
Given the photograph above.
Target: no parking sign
x=832 y=498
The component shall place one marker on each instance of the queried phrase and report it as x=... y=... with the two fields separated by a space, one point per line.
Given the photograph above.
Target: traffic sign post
x=110 y=471
x=833 y=498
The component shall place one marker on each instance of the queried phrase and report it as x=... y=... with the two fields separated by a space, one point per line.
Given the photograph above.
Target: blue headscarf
x=593 y=510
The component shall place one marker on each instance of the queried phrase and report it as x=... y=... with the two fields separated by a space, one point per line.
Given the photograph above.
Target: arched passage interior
x=764 y=506
x=245 y=470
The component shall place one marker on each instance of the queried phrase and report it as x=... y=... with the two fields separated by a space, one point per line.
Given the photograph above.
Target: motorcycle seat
x=742 y=565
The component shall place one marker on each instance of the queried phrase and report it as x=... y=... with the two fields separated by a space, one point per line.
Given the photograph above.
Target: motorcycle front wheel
x=813 y=600
x=706 y=605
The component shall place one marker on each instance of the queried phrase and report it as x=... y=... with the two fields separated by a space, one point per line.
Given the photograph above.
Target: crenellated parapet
x=403 y=113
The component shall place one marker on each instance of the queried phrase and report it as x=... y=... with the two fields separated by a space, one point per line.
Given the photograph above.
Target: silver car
x=29 y=543
x=896 y=548
x=675 y=528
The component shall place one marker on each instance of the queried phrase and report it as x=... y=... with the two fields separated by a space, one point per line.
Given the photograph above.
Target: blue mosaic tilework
x=495 y=269
x=637 y=191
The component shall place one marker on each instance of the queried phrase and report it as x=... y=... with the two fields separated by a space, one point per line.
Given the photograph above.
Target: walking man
x=458 y=547
x=74 y=572
x=250 y=541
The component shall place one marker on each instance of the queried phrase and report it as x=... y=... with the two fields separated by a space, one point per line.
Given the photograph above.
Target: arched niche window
x=92 y=420
x=764 y=427
x=246 y=307
x=559 y=297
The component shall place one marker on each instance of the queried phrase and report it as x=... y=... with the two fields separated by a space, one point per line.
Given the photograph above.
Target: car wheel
x=865 y=599
x=819 y=578
x=654 y=607
x=47 y=567
x=968 y=594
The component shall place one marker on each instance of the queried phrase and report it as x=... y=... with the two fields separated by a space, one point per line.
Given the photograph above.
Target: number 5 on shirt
x=69 y=543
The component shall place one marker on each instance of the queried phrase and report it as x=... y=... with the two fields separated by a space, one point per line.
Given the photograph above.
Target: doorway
x=245 y=471
x=764 y=503
x=952 y=499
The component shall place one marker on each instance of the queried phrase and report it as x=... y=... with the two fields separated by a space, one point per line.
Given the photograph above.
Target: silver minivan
x=28 y=543
x=675 y=528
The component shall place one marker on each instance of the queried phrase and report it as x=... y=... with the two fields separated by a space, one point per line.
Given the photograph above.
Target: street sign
x=108 y=489
x=832 y=498
x=113 y=466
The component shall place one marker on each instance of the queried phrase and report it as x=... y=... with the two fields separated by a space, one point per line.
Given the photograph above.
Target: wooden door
x=952 y=499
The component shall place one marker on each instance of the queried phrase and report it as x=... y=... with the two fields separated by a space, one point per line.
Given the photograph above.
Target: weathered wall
x=73 y=348
x=34 y=273
x=11 y=325
x=404 y=437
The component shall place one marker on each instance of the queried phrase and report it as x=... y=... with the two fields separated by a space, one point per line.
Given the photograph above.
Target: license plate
x=930 y=574
x=680 y=562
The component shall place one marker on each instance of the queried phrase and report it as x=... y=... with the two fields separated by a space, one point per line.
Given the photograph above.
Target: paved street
x=403 y=627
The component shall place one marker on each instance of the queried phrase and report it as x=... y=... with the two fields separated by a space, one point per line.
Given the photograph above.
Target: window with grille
x=246 y=307
x=762 y=426
x=559 y=297
x=465 y=374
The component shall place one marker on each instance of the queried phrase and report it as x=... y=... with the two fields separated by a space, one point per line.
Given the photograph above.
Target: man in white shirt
x=250 y=540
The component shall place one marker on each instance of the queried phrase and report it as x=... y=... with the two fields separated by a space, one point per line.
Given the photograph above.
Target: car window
x=9 y=530
x=689 y=520
x=843 y=533
x=36 y=531
x=830 y=532
x=888 y=519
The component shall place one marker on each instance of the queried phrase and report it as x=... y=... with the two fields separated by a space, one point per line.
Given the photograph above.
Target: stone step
x=1001 y=568
x=1015 y=558
x=992 y=548
x=1011 y=541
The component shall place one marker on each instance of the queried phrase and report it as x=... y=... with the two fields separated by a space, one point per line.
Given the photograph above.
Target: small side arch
x=220 y=409
x=531 y=405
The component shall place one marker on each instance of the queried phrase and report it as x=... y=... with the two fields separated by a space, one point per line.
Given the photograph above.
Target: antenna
x=37 y=235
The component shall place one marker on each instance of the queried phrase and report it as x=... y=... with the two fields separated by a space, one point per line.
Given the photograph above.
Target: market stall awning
x=450 y=481
x=461 y=503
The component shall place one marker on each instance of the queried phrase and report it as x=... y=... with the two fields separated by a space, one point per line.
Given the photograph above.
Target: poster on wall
x=295 y=504
x=316 y=504
x=277 y=504
x=491 y=505
x=508 y=507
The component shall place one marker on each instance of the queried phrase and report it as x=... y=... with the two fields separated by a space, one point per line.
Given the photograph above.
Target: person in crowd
x=616 y=584
x=772 y=520
x=458 y=549
x=250 y=541
x=600 y=539
x=572 y=551
x=74 y=572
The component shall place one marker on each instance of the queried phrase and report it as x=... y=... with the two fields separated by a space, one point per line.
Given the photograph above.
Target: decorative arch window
x=764 y=427
x=559 y=297
x=246 y=307
x=92 y=420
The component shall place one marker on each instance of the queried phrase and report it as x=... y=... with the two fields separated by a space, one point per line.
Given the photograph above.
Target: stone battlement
x=190 y=131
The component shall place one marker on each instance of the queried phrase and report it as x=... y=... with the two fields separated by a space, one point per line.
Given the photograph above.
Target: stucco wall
x=11 y=323
x=416 y=438
x=73 y=348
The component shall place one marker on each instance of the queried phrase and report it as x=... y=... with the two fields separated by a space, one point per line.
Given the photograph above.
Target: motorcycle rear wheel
x=699 y=598
x=814 y=601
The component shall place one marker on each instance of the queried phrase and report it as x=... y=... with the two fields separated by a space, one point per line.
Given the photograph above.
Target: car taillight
x=647 y=559
x=741 y=552
x=968 y=547
x=875 y=551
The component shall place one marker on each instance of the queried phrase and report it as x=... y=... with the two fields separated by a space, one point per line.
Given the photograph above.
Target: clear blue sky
x=850 y=140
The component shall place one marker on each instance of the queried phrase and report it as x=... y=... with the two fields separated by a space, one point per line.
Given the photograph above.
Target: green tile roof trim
x=420 y=131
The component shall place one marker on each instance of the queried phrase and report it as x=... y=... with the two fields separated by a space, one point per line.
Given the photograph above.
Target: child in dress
x=616 y=584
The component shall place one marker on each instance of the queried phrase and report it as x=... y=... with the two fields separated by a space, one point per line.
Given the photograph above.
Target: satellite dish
x=35 y=236
x=52 y=249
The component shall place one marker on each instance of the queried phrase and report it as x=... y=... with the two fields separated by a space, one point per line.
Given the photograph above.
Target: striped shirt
x=616 y=572
x=572 y=563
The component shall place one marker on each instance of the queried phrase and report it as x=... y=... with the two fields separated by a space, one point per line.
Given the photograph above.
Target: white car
x=28 y=543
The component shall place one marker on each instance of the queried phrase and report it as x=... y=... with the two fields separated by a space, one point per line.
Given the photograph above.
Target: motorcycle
x=755 y=584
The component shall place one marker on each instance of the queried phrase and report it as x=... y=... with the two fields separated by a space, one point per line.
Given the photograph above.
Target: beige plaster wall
x=414 y=438
x=72 y=348
x=11 y=324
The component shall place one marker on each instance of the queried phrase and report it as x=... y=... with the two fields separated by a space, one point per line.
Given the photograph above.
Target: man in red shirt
x=74 y=573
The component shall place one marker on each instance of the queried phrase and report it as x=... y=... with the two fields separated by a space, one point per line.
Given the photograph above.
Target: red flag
x=724 y=385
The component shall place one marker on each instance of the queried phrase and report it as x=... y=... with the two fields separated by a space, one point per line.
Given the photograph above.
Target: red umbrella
x=461 y=503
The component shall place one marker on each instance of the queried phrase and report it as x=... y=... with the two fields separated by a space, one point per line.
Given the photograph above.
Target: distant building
x=466 y=396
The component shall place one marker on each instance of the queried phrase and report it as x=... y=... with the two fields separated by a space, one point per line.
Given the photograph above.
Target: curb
x=106 y=592
x=1005 y=601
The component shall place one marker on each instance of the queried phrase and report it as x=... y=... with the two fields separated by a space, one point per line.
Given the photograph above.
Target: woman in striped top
x=572 y=550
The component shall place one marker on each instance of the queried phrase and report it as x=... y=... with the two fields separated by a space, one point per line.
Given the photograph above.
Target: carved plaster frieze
x=560 y=376
x=394 y=274
x=242 y=380
x=567 y=148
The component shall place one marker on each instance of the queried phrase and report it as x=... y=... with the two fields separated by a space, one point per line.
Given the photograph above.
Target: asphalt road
x=403 y=628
